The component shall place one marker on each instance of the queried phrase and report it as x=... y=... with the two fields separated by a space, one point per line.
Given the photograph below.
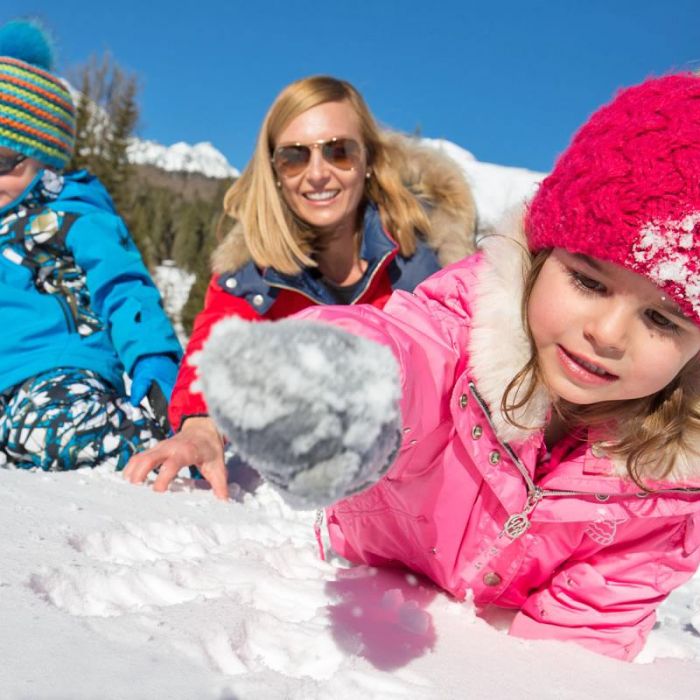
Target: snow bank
x=113 y=591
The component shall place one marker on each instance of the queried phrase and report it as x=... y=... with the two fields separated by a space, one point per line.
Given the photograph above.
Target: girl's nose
x=608 y=330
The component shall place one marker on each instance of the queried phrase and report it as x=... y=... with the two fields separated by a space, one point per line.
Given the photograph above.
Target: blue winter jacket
x=74 y=291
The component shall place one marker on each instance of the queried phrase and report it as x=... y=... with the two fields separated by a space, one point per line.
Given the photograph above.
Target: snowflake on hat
x=666 y=253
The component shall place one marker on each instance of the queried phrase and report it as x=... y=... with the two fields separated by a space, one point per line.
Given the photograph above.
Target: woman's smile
x=322 y=196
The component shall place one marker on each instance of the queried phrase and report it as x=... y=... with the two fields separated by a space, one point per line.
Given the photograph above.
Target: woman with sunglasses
x=330 y=210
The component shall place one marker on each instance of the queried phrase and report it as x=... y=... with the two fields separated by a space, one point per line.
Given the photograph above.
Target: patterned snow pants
x=69 y=418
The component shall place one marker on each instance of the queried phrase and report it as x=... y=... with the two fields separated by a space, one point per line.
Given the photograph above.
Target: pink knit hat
x=627 y=189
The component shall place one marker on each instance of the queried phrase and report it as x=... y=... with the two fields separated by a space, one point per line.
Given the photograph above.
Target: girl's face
x=15 y=176
x=324 y=195
x=603 y=333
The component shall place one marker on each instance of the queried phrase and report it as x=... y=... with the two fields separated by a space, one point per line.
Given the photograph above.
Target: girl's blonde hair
x=651 y=434
x=275 y=237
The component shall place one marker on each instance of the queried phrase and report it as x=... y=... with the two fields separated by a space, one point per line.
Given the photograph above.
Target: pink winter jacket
x=598 y=555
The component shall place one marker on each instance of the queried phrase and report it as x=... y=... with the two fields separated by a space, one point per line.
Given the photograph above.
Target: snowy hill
x=181 y=157
x=174 y=285
x=496 y=188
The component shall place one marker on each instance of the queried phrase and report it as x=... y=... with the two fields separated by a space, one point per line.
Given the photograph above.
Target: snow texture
x=112 y=591
x=665 y=251
x=313 y=408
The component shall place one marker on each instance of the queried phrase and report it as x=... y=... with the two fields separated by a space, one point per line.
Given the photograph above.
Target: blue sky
x=510 y=81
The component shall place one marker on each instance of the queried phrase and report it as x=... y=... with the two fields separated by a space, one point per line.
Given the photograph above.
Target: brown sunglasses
x=292 y=159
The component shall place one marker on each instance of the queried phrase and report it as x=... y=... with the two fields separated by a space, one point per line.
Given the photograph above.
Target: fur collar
x=499 y=346
x=432 y=176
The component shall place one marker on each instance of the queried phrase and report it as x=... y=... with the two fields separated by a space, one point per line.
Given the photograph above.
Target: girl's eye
x=661 y=321
x=587 y=283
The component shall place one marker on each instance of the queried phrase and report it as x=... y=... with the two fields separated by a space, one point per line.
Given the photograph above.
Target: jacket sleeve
x=427 y=332
x=218 y=304
x=121 y=290
x=607 y=602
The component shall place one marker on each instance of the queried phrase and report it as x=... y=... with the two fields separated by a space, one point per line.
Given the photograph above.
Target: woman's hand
x=198 y=444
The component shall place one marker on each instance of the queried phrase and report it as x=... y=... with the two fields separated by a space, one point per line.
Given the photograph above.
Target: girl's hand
x=197 y=444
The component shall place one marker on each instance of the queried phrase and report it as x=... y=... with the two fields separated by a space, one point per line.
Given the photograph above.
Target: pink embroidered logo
x=665 y=253
x=602 y=531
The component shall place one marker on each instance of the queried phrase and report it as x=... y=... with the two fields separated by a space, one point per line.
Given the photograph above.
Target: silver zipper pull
x=519 y=523
x=318 y=523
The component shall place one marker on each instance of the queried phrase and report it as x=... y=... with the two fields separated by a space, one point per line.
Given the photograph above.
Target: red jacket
x=266 y=295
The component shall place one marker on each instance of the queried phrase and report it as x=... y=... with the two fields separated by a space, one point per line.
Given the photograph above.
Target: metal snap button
x=463 y=401
x=231 y=283
x=492 y=578
x=258 y=300
x=494 y=457
x=597 y=450
x=477 y=432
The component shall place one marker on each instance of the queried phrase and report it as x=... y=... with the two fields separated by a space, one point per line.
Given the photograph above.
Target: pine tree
x=211 y=214
x=106 y=116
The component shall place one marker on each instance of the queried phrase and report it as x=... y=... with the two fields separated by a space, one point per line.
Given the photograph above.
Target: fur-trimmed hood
x=434 y=177
x=499 y=346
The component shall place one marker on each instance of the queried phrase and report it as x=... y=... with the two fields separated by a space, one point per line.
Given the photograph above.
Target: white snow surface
x=201 y=158
x=109 y=590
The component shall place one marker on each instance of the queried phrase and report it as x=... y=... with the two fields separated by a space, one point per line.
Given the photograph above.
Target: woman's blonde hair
x=652 y=434
x=275 y=237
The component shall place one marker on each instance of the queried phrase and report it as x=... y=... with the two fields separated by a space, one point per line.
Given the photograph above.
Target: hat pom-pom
x=27 y=41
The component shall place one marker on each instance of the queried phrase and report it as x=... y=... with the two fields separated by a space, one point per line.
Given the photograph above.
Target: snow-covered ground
x=109 y=590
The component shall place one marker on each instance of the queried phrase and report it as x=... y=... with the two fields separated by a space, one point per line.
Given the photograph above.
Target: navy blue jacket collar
x=260 y=289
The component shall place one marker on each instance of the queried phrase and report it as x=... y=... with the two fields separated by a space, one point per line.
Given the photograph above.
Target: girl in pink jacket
x=526 y=425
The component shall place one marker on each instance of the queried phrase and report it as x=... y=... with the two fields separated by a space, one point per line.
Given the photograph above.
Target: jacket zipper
x=67 y=313
x=379 y=267
x=517 y=524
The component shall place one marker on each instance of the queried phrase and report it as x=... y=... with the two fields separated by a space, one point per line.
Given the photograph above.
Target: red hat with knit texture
x=627 y=190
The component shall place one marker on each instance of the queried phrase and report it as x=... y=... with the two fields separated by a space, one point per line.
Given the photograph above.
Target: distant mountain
x=181 y=157
x=192 y=171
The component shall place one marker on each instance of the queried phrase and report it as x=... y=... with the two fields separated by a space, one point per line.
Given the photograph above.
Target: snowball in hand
x=313 y=408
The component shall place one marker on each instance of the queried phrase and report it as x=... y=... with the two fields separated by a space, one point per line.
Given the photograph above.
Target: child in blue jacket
x=78 y=308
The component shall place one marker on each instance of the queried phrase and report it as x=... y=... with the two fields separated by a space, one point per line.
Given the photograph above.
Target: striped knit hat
x=37 y=116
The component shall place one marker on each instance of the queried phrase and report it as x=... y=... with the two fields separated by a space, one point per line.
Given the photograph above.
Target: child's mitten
x=313 y=408
x=153 y=369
